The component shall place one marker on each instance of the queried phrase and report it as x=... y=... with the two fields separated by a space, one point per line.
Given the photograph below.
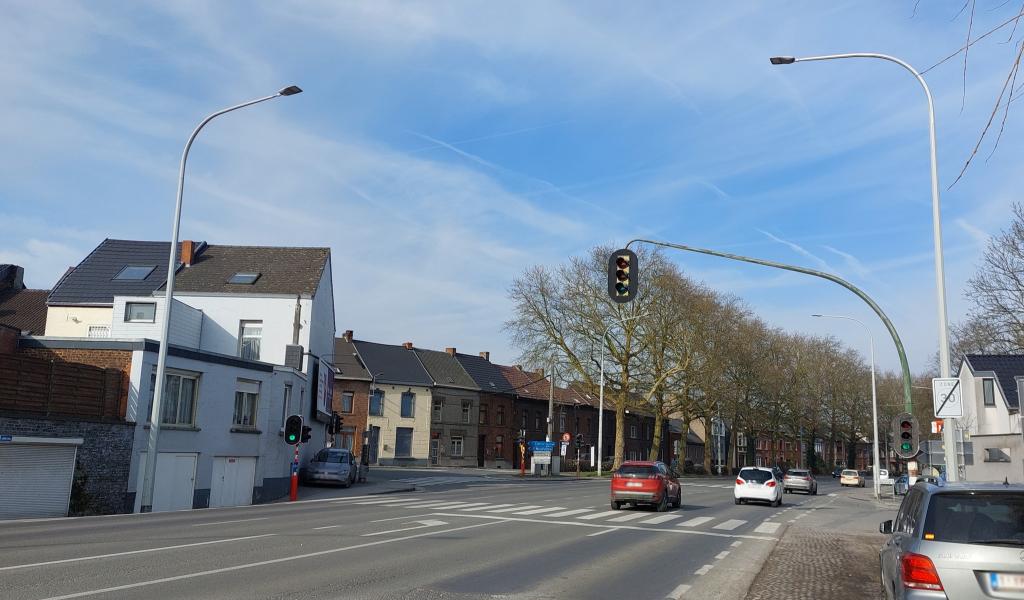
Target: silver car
x=958 y=540
x=800 y=479
x=332 y=465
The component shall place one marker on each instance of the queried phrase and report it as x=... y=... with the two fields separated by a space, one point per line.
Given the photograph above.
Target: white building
x=992 y=387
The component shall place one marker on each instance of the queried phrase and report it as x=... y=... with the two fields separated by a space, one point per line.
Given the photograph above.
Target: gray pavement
x=470 y=537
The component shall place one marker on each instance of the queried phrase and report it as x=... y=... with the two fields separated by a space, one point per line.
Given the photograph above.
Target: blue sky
x=441 y=147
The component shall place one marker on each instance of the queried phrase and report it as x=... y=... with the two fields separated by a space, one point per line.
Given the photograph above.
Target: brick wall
x=103 y=459
x=104 y=359
x=360 y=408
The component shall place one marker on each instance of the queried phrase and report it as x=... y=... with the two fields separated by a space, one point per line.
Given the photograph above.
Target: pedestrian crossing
x=453 y=480
x=675 y=519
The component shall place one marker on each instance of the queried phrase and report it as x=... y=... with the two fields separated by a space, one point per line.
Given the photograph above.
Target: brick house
x=496 y=430
x=351 y=394
x=454 y=411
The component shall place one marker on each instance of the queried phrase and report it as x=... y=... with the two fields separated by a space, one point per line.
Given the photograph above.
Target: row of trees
x=682 y=350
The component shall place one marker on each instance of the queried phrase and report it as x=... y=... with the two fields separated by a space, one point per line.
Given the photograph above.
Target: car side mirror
x=885 y=526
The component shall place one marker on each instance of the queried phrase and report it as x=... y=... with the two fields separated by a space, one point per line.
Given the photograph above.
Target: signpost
x=947 y=398
x=566 y=436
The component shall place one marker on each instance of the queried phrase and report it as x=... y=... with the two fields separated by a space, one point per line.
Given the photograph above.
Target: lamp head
x=290 y=91
x=782 y=60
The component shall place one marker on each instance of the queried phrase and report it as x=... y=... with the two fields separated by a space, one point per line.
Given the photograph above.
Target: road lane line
x=721 y=555
x=98 y=556
x=486 y=506
x=730 y=524
x=458 y=505
x=265 y=562
x=402 y=517
x=422 y=524
x=566 y=513
x=602 y=532
x=226 y=522
x=333 y=526
x=505 y=510
x=427 y=504
x=767 y=527
x=599 y=515
x=662 y=519
x=387 y=502
x=628 y=517
x=736 y=543
x=538 y=511
x=703 y=570
x=677 y=593
x=695 y=522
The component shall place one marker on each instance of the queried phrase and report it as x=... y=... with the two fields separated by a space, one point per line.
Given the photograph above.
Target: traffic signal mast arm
x=904 y=367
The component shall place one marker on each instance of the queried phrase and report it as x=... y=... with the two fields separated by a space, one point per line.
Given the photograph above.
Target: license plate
x=634 y=484
x=1006 y=582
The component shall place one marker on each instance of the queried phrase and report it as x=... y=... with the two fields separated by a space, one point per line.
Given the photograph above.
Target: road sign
x=542 y=458
x=566 y=436
x=6 y=438
x=947 y=398
x=565 y=445
x=937 y=426
x=538 y=446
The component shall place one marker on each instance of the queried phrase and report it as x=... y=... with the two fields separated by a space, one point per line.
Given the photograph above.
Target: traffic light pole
x=904 y=366
x=293 y=494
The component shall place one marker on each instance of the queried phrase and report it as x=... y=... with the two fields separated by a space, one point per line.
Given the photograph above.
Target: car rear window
x=850 y=473
x=755 y=475
x=797 y=473
x=637 y=470
x=976 y=517
x=328 y=456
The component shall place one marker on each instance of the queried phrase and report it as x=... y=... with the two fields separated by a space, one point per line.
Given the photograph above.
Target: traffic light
x=907 y=435
x=579 y=440
x=306 y=429
x=623 y=273
x=292 y=429
x=334 y=426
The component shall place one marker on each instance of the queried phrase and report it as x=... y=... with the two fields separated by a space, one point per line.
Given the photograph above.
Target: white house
x=992 y=387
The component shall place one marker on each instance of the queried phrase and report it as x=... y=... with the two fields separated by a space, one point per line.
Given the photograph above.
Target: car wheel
x=662 y=505
x=737 y=500
x=814 y=491
x=679 y=499
x=616 y=505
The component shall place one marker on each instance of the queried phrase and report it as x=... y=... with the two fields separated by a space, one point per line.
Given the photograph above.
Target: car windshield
x=975 y=518
x=796 y=473
x=849 y=473
x=636 y=470
x=332 y=456
x=755 y=475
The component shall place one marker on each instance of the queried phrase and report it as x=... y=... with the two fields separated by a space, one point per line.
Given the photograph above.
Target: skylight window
x=134 y=272
x=244 y=278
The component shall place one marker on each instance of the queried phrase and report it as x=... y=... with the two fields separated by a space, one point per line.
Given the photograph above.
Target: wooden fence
x=55 y=388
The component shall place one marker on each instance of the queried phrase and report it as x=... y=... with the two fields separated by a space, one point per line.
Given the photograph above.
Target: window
x=348 y=437
x=178 y=405
x=140 y=312
x=346 y=402
x=536 y=421
x=408 y=405
x=483 y=414
x=741 y=440
x=99 y=331
x=561 y=421
x=286 y=403
x=632 y=431
x=590 y=428
x=997 y=455
x=403 y=442
x=499 y=445
x=377 y=403
x=245 y=278
x=500 y=417
x=249 y=335
x=989 y=388
x=437 y=409
x=466 y=409
x=975 y=518
x=134 y=273
x=247 y=396
x=523 y=424
x=456 y=446
x=647 y=432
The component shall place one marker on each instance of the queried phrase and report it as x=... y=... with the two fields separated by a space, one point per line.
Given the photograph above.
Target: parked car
x=800 y=479
x=901 y=486
x=758 y=484
x=645 y=482
x=332 y=465
x=836 y=472
x=851 y=477
x=959 y=540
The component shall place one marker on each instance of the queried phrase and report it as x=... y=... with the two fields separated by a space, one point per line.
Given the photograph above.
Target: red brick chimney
x=347 y=336
x=407 y=345
x=540 y=372
x=486 y=356
x=188 y=250
x=450 y=351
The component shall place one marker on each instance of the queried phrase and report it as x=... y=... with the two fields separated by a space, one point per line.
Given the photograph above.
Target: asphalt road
x=455 y=537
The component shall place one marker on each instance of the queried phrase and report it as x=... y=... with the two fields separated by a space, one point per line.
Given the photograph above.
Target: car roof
x=758 y=468
x=639 y=463
x=969 y=486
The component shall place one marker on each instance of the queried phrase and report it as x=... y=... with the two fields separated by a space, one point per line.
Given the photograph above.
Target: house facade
x=351 y=395
x=454 y=411
x=992 y=385
x=497 y=434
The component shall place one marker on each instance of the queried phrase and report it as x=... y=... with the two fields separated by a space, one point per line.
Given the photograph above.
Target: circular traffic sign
x=566 y=436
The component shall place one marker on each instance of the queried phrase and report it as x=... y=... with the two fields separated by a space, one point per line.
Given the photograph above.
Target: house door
x=434 y=442
x=480 y=447
x=175 y=481
x=233 y=478
x=374 y=444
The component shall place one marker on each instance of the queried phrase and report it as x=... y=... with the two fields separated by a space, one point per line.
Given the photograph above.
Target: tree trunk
x=620 y=437
x=709 y=444
x=656 y=438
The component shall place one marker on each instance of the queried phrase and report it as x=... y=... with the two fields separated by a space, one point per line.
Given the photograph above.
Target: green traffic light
x=621 y=288
x=291 y=438
x=905 y=447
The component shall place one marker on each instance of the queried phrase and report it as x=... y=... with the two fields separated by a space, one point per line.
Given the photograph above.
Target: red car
x=645 y=482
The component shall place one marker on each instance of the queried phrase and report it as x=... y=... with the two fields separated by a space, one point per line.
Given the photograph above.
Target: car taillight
x=739 y=481
x=771 y=483
x=807 y=478
x=616 y=475
x=919 y=572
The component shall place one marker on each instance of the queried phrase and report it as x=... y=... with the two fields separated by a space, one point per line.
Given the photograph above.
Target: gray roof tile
x=24 y=310
x=445 y=370
x=392 y=364
x=347 y=361
x=92 y=281
x=1007 y=368
x=282 y=270
x=485 y=373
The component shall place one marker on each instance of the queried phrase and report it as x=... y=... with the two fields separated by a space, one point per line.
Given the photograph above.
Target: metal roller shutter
x=35 y=480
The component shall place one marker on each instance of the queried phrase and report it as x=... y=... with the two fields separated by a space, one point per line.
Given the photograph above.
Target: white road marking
x=130 y=552
x=599 y=515
x=226 y=522
x=397 y=518
x=662 y=519
x=736 y=543
x=703 y=570
x=602 y=532
x=333 y=526
x=458 y=505
x=504 y=510
x=832 y=495
x=427 y=504
x=730 y=524
x=264 y=562
x=486 y=507
x=694 y=522
x=422 y=524
x=566 y=513
x=677 y=593
x=767 y=527
x=721 y=555
x=628 y=517
x=538 y=511
x=392 y=502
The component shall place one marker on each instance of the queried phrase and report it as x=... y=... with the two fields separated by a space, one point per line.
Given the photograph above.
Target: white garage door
x=233 y=478
x=175 y=481
x=35 y=480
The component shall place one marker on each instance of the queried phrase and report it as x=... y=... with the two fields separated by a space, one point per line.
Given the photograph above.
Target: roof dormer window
x=244 y=278
x=134 y=272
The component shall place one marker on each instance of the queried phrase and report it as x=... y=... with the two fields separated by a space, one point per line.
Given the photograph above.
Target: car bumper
x=635 y=496
x=748 y=492
x=327 y=477
x=799 y=485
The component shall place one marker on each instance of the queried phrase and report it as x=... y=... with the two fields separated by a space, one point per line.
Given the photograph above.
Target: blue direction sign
x=6 y=438
x=536 y=446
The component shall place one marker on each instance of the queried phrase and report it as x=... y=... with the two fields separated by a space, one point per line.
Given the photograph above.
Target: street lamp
x=874 y=395
x=165 y=320
x=940 y=278
x=600 y=411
